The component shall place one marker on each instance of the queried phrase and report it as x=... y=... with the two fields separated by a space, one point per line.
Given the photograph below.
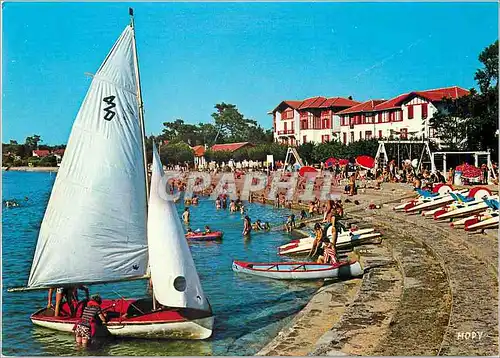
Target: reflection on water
x=248 y=310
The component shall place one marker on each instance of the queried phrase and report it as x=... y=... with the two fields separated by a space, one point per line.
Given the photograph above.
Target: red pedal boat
x=216 y=235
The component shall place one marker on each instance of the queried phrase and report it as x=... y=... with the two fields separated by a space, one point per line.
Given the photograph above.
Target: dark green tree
x=471 y=122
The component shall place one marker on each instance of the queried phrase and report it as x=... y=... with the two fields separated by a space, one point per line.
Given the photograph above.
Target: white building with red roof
x=311 y=120
x=406 y=116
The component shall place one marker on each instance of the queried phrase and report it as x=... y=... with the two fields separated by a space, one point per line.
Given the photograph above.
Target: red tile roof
x=59 y=151
x=230 y=147
x=392 y=103
x=338 y=102
x=314 y=102
x=367 y=106
x=317 y=102
x=41 y=153
x=293 y=104
x=199 y=150
x=434 y=95
x=286 y=104
x=440 y=93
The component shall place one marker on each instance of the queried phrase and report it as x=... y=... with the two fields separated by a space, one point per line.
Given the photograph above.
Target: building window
x=379 y=117
x=326 y=123
x=380 y=133
x=360 y=135
x=400 y=113
x=424 y=110
x=304 y=139
x=404 y=133
x=368 y=135
x=303 y=124
x=284 y=126
x=352 y=137
x=410 y=112
x=345 y=138
x=317 y=122
x=325 y=138
x=287 y=114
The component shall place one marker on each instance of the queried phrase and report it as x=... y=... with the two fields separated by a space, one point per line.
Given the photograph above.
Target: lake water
x=248 y=310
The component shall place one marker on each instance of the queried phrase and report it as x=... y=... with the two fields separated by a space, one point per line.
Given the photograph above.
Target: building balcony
x=286 y=132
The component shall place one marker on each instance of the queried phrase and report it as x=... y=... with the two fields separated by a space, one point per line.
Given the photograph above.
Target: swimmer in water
x=247 y=226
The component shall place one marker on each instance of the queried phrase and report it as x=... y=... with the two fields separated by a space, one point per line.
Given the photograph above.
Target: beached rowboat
x=300 y=270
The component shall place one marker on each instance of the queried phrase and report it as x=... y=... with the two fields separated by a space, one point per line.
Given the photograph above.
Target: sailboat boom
x=73 y=284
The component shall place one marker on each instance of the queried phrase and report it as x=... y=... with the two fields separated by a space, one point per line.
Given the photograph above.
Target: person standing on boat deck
x=85 y=328
x=186 y=215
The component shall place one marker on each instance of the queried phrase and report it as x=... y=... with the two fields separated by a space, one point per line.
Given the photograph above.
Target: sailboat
x=99 y=227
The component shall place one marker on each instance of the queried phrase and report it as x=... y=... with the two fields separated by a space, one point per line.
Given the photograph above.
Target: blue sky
x=194 y=55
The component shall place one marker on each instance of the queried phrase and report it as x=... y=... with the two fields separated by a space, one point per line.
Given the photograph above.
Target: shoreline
x=31 y=169
x=415 y=299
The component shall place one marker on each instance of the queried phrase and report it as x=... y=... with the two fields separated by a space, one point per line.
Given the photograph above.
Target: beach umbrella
x=306 y=171
x=365 y=161
x=343 y=161
x=330 y=162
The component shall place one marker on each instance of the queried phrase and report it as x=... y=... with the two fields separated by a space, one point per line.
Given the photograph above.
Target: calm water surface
x=249 y=311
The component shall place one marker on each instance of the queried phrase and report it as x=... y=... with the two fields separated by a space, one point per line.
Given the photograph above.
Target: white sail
x=175 y=280
x=94 y=228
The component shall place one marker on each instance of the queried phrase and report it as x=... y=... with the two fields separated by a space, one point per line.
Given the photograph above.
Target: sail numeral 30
x=109 y=113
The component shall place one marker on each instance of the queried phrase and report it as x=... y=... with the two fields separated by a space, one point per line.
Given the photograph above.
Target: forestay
x=175 y=280
x=94 y=228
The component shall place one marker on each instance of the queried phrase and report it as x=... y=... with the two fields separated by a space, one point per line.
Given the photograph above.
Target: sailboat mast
x=141 y=104
x=141 y=116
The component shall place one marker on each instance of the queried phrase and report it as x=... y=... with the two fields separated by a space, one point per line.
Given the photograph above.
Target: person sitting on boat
x=207 y=230
x=189 y=231
x=317 y=248
x=91 y=316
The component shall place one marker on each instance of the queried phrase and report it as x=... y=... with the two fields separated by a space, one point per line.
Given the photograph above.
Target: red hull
x=216 y=235
x=123 y=311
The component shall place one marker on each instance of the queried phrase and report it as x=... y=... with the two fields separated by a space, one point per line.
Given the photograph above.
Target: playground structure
x=292 y=151
x=403 y=149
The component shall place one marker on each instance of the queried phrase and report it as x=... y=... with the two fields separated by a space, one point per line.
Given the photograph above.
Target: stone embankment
x=428 y=290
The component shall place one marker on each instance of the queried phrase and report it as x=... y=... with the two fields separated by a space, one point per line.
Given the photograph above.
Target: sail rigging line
x=123 y=298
